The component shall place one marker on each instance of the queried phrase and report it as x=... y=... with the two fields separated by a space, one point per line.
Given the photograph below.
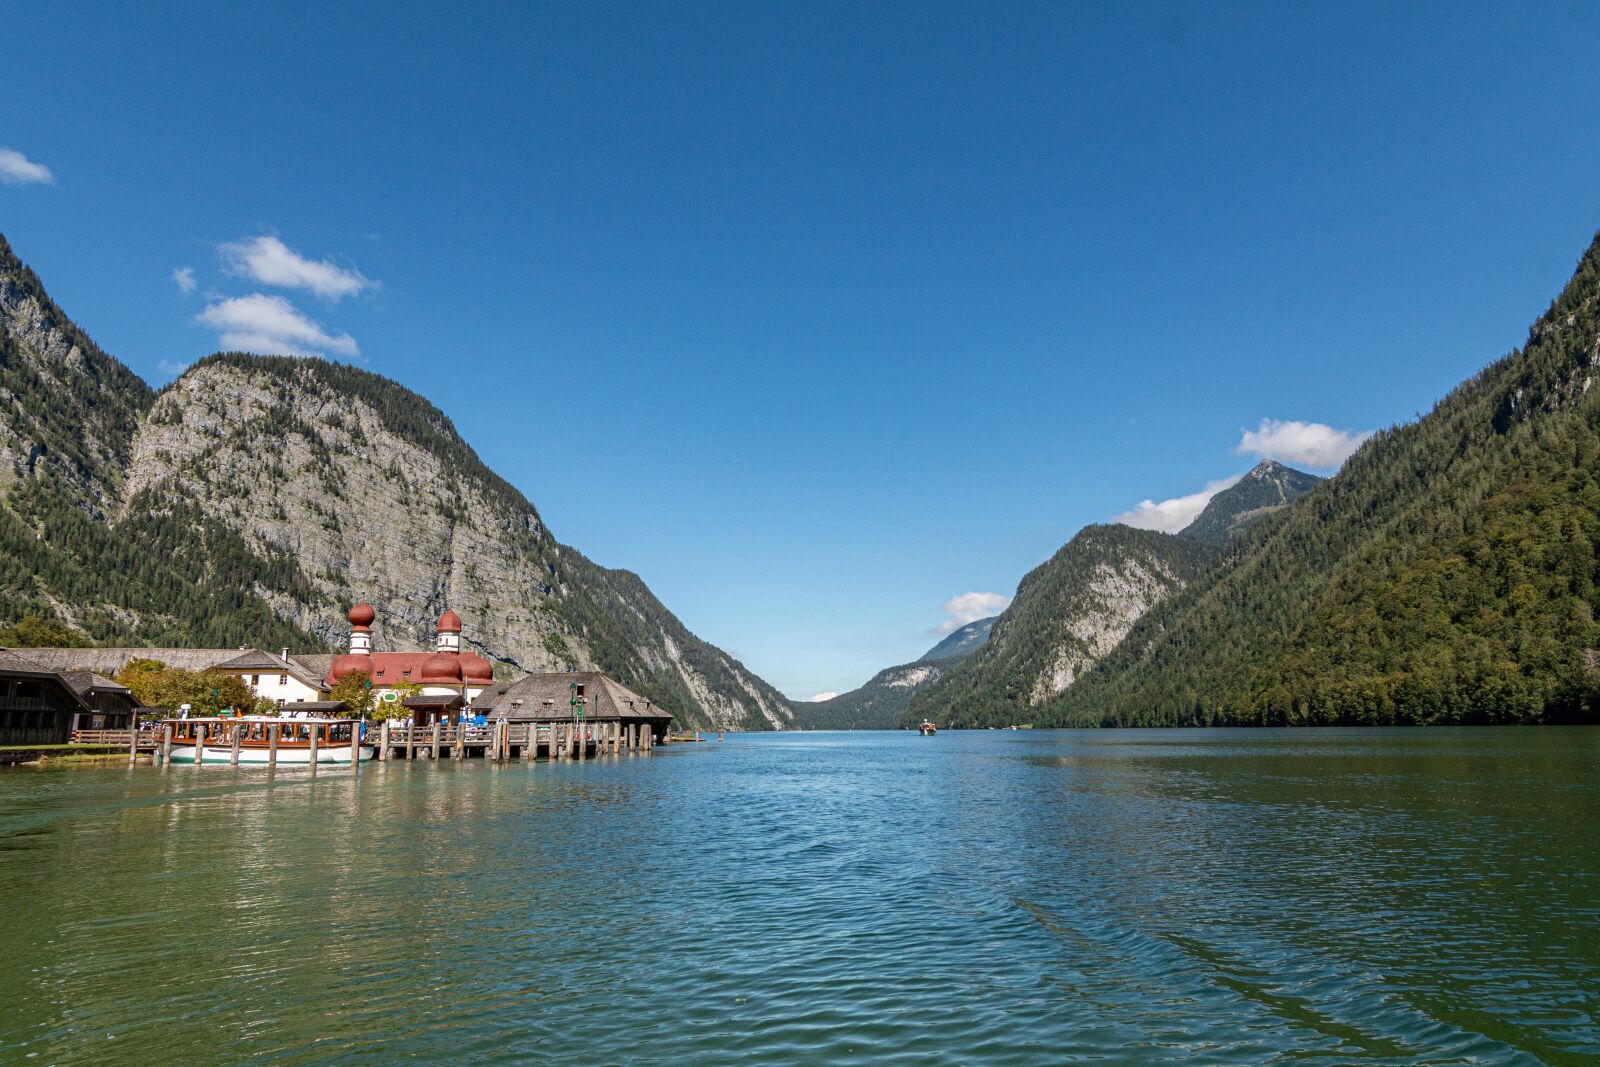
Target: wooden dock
x=496 y=741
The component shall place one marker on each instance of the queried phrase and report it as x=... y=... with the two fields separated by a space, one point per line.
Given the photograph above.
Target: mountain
x=1446 y=574
x=1267 y=488
x=877 y=705
x=1068 y=612
x=961 y=643
x=881 y=702
x=253 y=499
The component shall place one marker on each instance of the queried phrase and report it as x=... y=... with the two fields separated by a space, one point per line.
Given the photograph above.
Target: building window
x=283 y=679
x=255 y=679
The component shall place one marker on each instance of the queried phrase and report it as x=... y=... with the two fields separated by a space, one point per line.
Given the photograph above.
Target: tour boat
x=255 y=733
x=926 y=728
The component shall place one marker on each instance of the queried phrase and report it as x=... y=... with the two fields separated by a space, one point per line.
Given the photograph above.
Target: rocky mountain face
x=1068 y=613
x=1267 y=488
x=254 y=499
x=962 y=642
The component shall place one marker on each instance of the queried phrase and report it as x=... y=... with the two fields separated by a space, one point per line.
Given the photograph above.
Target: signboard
x=388 y=696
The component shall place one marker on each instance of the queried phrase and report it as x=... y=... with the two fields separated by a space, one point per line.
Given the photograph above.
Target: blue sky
x=822 y=316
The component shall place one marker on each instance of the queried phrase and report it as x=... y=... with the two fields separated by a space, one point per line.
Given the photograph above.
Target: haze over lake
x=1220 y=896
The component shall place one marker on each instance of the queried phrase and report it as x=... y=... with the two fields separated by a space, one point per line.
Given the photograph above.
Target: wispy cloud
x=18 y=169
x=171 y=369
x=820 y=697
x=970 y=607
x=1170 y=516
x=269 y=261
x=183 y=277
x=270 y=325
x=1308 y=444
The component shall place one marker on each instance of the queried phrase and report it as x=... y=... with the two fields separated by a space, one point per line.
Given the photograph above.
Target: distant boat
x=926 y=728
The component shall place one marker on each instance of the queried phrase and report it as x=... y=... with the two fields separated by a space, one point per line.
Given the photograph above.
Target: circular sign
x=389 y=696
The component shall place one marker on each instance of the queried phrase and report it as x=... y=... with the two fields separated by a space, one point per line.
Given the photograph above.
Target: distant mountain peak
x=962 y=642
x=1267 y=487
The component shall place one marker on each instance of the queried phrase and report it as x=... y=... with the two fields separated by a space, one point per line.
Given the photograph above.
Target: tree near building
x=156 y=685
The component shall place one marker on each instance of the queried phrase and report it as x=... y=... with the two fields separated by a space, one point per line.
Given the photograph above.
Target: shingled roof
x=547 y=698
x=108 y=662
x=85 y=682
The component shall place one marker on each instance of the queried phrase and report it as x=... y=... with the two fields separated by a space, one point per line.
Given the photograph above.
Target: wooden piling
x=166 y=744
x=411 y=741
x=383 y=741
x=272 y=743
x=313 y=731
x=133 y=740
x=233 y=750
x=433 y=747
x=459 y=749
x=199 y=744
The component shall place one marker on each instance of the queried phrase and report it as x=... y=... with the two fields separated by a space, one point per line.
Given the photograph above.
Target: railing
x=147 y=738
x=421 y=739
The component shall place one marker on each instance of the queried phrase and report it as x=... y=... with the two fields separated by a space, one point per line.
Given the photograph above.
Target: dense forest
x=1446 y=575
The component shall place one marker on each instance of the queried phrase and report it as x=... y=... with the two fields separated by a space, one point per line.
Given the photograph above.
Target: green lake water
x=1213 y=897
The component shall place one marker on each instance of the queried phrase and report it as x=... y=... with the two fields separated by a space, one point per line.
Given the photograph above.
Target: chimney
x=284 y=655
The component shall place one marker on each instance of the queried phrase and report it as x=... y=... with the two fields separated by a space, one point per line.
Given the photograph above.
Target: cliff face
x=67 y=410
x=374 y=495
x=254 y=499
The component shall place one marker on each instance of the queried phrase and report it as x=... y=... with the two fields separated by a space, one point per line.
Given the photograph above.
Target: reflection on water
x=1214 y=896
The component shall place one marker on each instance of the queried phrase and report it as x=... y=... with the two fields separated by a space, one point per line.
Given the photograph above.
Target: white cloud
x=270 y=325
x=271 y=262
x=820 y=697
x=184 y=277
x=1170 y=516
x=172 y=369
x=1308 y=444
x=18 y=169
x=970 y=607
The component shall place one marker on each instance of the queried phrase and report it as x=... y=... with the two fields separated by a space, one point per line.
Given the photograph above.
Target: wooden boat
x=926 y=728
x=213 y=740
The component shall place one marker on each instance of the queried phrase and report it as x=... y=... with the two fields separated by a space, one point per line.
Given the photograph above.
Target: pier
x=496 y=741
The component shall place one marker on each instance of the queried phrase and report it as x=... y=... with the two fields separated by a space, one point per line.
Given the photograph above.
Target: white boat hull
x=287 y=757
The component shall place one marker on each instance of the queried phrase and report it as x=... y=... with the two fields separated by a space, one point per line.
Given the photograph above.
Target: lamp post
x=366 y=699
x=577 y=710
x=215 y=706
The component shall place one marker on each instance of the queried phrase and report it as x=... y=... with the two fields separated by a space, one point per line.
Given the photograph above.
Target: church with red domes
x=447 y=676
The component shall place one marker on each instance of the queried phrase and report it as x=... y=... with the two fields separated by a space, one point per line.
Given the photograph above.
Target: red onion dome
x=449 y=622
x=476 y=668
x=362 y=614
x=441 y=667
x=343 y=665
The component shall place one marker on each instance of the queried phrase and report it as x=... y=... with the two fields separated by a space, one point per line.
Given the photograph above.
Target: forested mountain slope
x=1068 y=612
x=1446 y=574
x=879 y=704
x=254 y=498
